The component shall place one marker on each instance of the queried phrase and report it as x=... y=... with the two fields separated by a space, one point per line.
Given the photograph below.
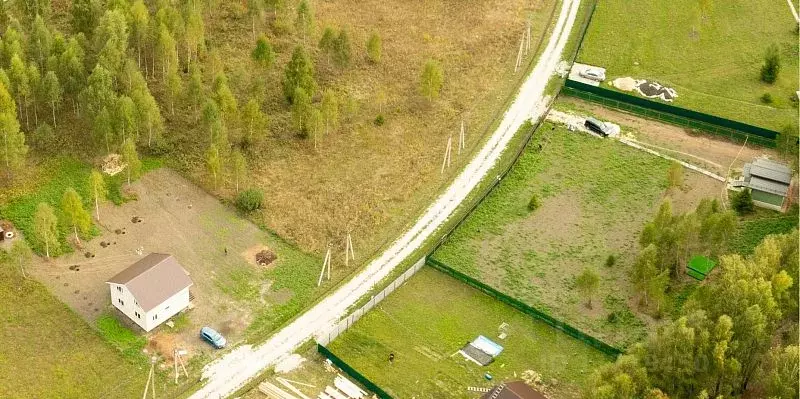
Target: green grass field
x=49 y=352
x=752 y=231
x=426 y=321
x=595 y=197
x=710 y=51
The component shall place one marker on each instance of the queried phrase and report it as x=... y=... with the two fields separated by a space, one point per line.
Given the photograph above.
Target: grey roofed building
x=153 y=279
x=769 y=182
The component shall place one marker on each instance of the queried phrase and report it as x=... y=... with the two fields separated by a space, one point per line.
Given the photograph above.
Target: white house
x=151 y=290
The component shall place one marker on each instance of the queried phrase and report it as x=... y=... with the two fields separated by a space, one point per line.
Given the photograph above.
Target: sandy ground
x=707 y=151
x=177 y=218
x=231 y=372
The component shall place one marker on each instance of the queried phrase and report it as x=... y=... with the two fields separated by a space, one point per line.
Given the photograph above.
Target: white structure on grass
x=151 y=290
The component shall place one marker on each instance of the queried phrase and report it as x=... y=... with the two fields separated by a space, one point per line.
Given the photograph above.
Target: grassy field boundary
x=352 y=372
x=731 y=129
x=524 y=308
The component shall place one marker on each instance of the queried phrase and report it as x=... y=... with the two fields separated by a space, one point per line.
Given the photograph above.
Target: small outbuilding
x=151 y=290
x=769 y=182
x=513 y=390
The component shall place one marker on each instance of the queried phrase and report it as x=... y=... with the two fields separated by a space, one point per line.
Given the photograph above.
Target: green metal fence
x=353 y=373
x=525 y=308
x=731 y=129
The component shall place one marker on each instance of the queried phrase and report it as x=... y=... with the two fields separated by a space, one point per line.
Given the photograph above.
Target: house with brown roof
x=151 y=290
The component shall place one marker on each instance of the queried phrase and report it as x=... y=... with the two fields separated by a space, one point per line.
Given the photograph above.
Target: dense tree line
x=727 y=339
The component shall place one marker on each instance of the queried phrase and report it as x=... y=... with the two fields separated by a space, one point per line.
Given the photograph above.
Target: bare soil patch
x=718 y=152
x=171 y=216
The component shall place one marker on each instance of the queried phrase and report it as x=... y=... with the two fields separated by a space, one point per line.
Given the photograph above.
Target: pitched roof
x=770 y=170
x=769 y=186
x=153 y=279
x=513 y=390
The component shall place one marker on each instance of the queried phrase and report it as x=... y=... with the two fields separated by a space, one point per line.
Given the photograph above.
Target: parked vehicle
x=597 y=127
x=593 y=74
x=213 y=337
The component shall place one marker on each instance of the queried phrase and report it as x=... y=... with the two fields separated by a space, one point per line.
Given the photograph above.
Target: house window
x=120 y=301
x=155 y=316
x=138 y=316
x=119 y=288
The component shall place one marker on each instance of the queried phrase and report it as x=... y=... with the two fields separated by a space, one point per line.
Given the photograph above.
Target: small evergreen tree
x=742 y=202
x=342 y=51
x=263 y=54
x=772 y=65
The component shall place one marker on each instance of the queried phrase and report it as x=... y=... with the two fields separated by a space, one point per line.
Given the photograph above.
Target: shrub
x=249 y=200
x=794 y=100
x=379 y=120
x=772 y=65
x=611 y=260
x=533 y=204
x=742 y=202
x=766 y=98
x=675 y=175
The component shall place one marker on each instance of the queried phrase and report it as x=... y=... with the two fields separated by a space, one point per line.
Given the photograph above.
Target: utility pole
x=447 y=153
x=348 y=250
x=326 y=264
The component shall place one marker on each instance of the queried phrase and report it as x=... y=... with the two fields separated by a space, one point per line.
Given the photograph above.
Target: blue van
x=213 y=337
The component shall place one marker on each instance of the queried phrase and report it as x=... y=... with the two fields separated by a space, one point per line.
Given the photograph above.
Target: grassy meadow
x=709 y=51
x=595 y=195
x=426 y=321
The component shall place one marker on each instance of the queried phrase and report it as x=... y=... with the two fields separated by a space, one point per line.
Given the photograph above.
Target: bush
x=742 y=202
x=379 y=120
x=766 y=98
x=772 y=65
x=249 y=200
x=794 y=100
x=533 y=204
x=675 y=175
x=611 y=260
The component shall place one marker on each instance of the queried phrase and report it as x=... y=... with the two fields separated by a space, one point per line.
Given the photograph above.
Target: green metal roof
x=701 y=264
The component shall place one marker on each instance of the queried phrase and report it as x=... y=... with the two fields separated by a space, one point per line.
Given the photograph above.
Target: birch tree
x=74 y=213
x=131 y=158
x=52 y=92
x=97 y=186
x=45 y=227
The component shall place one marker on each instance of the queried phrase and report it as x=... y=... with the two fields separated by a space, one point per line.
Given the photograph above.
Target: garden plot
x=709 y=52
x=595 y=195
x=426 y=321
x=170 y=215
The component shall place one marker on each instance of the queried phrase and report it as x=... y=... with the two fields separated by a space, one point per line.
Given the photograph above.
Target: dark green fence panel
x=353 y=373
x=525 y=308
x=671 y=114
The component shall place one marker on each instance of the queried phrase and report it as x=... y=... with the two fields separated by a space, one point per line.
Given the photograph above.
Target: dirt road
x=226 y=375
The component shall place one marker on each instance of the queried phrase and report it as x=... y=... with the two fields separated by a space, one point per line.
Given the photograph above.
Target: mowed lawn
x=595 y=196
x=425 y=323
x=710 y=51
x=48 y=351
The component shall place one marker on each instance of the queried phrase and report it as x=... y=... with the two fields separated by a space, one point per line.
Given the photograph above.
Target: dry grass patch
x=368 y=179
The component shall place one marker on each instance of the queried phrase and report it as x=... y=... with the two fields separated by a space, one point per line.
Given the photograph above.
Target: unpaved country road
x=229 y=373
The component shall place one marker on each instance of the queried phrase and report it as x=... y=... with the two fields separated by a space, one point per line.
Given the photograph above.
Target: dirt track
x=226 y=375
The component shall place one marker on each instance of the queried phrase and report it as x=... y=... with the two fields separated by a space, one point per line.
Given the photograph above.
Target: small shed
x=699 y=267
x=513 y=390
x=151 y=290
x=768 y=181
